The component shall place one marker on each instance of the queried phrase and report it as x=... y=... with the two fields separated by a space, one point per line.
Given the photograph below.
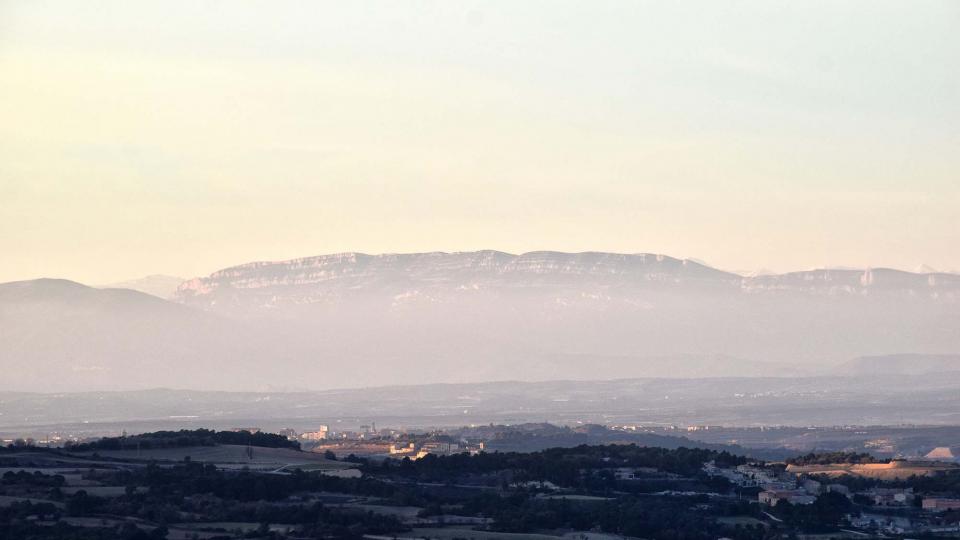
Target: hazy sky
x=183 y=137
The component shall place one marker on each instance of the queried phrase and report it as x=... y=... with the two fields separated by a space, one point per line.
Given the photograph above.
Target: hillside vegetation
x=186 y=438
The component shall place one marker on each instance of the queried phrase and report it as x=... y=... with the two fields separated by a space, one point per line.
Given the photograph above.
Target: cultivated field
x=231 y=456
x=454 y=533
x=895 y=470
x=101 y=491
x=6 y=500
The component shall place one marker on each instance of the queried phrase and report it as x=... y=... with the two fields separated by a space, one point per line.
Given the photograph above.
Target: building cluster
x=421 y=449
x=773 y=485
x=892 y=497
x=772 y=497
x=753 y=476
x=940 y=504
x=897 y=510
x=799 y=491
x=369 y=441
x=638 y=473
x=322 y=433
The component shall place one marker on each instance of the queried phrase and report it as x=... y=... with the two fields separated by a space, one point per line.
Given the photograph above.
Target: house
x=891 y=496
x=441 y=447
x=735 y=477
x=940 y=504
x=401 y=448
x=812 y=486
x=633 y=473
x=792 y=496
x=764 y=478
x=837 y=488
x=777 y=485
x=437 y=448
x=318 y=435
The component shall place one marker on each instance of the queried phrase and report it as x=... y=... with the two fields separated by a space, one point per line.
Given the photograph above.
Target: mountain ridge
x=354 y=319
x=490 y=268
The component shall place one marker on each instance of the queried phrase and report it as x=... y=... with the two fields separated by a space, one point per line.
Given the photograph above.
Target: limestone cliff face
x=350 y=319
x=601 y=276
x=544 y=314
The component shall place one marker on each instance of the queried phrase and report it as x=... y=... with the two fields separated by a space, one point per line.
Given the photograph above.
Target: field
x=451 y=533
x=577 y=498
x=741 y=520
x=72 y=476
x=410 y=515
x=232 y=457
x=245 y=526
x=176 y=532
x=895 y=470
x=403 y=513
x=6 y=500
x=101 y=491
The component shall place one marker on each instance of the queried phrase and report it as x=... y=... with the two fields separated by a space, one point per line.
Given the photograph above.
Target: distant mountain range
x=353 y=319
x=58 y=335
x=326 y=278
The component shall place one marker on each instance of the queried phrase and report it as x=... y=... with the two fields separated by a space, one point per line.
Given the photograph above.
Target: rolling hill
x=157 y=285
x=60 y=335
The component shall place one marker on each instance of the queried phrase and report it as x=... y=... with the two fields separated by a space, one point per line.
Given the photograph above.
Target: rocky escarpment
x=326 y=278
x=354 y=320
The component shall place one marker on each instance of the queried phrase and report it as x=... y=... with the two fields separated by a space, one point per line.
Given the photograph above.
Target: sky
x=181 y=137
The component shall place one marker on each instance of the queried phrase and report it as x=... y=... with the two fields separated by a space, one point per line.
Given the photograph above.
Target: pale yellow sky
x=183 y=137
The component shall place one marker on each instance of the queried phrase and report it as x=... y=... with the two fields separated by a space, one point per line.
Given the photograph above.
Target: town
x=379 y=483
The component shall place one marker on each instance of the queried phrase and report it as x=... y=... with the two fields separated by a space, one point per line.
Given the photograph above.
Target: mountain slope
x=157 y=285
x=60 y=335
